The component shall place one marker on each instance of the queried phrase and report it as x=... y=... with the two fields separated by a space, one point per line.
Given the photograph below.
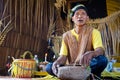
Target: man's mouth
x=80 y=20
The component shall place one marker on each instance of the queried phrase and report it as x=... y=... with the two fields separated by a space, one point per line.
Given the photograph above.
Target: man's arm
x=99 y=51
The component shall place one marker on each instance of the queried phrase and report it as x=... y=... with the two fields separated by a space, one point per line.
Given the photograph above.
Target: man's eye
x=77 y=14
x=83 y=13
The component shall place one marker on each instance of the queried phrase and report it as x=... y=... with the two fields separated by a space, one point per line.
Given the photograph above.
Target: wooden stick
x=5 y=9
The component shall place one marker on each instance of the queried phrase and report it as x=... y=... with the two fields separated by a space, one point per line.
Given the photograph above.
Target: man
x=81 y=46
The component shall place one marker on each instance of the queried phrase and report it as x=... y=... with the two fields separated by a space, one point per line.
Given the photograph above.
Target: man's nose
x=79 y=15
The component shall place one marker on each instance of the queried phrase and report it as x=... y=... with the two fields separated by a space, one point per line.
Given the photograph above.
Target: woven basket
x=23 y=68
x=73 y=73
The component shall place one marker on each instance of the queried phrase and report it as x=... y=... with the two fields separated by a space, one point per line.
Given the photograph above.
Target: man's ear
x=72 y=19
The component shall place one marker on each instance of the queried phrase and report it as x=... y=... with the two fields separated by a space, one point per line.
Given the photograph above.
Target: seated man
x=81 y=46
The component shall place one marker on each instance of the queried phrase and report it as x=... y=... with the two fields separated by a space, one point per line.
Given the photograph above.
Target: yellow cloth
x=49 y=77
x=96 y=41
x=114 y=75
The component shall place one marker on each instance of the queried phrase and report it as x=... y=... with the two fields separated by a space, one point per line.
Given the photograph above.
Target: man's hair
x=77 y=7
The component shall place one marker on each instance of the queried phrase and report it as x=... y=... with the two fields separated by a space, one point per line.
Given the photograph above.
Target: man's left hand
x=86 y=58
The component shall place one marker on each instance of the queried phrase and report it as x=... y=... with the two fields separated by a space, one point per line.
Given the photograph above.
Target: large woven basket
x=73 y=73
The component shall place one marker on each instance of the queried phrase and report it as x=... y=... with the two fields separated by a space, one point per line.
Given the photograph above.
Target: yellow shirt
x=96 y=41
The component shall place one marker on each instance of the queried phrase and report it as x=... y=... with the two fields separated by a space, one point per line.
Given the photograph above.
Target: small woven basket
x=23 y=68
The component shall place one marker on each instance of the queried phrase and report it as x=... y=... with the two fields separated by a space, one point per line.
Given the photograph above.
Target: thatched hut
x=26 y=25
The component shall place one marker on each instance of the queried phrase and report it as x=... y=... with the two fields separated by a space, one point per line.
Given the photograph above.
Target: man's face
x=80 y=17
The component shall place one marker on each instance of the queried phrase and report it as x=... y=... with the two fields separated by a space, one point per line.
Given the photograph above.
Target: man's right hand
x=55 y=68
x=60 y=61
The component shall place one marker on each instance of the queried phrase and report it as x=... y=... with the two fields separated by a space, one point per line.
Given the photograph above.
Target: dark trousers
x=97 y=65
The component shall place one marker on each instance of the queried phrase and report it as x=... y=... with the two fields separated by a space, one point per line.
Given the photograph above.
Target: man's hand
x=55 y=68
x=60 y=61
x=86 y=58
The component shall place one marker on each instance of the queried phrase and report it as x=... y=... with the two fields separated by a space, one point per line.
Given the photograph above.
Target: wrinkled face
x=80 y=17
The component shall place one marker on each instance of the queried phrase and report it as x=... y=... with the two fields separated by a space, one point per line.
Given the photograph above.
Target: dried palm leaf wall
x=110 y=30
x=30 y=21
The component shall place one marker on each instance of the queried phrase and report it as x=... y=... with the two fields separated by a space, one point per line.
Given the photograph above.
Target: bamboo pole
x=39 y=18
x=39 y=24
x=31 y=24
x=36 y=13
x=28 y=17
x=20 y=16
x=16 y=4
x=31 y=14
x=17 y=40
